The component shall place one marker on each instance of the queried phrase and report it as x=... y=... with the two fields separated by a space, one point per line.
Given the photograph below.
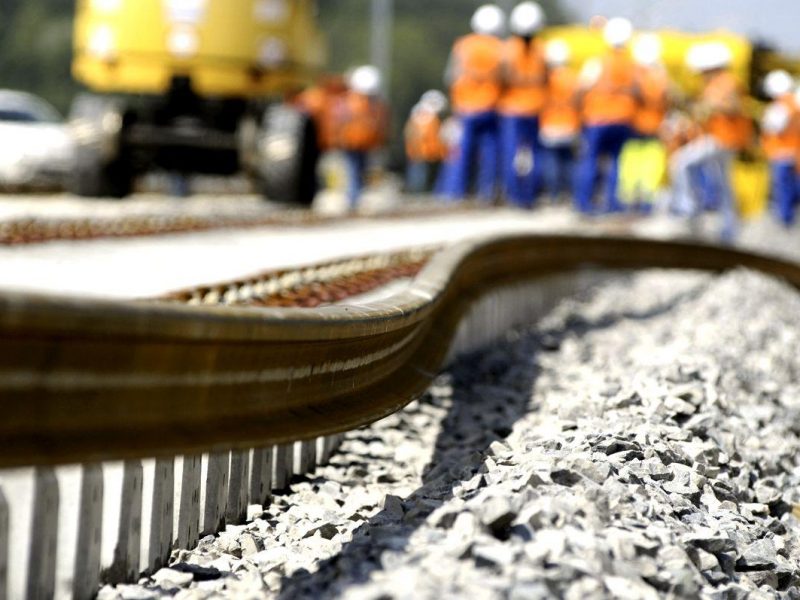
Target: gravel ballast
x=639 y=442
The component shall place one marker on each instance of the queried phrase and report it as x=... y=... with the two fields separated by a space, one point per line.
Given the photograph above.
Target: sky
x=774 y=21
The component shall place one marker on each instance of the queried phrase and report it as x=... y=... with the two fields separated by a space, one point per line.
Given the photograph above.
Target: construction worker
x=721 y=105
x=642 y=164
x=560 y=121
x=609 y=103
x=780 y=140
x=701 y=169
x=653 y=85
x=425 y=147
x=318 y=102
x=451 y=135
x=360 y=125
x=474 y=77
x=525 y=80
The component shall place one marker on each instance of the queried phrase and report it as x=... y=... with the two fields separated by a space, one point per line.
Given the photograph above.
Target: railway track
x=37 y=230
x=310 y=287
x=218 y=370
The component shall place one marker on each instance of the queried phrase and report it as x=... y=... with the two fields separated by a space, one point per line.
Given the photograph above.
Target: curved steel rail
x=91 y=380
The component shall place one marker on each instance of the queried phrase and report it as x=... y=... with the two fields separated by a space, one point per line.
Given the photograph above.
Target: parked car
x=36 y=146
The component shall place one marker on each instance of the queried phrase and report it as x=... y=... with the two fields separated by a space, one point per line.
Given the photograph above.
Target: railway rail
x=36 y=230
x=263 y=391
x=313 y=286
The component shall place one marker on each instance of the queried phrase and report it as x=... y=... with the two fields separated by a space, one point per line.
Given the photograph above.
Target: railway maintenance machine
x=194 y=86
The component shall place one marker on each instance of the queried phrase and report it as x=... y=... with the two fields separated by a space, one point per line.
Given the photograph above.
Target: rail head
x=93 y=380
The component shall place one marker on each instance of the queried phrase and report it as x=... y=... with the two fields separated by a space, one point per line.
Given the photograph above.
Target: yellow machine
x=192 y=83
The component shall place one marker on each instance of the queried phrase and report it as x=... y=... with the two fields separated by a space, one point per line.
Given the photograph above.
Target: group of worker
x=524 y=123
x=521 y=111
x=521 y=122
x=348 y=115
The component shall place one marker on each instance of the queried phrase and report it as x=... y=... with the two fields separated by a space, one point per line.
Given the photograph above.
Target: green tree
x=35 y=42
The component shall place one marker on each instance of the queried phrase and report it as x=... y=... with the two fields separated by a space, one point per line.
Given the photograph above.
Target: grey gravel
x=640 y=442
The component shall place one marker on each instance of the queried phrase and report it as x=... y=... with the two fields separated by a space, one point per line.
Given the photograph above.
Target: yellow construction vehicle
x=194 y=86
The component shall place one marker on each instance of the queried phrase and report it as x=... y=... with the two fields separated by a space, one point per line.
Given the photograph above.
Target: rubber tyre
x=287 y=156
x=102 y=168
x=92 y=179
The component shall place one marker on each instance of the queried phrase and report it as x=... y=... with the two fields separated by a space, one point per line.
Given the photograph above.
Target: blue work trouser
x=478 y=143
x=716 y=174
x=521 y=159
x=783 y=184
x=700 y=173
x=416 y=176
x=559 y=162
x=600 y=141
x=356 y=174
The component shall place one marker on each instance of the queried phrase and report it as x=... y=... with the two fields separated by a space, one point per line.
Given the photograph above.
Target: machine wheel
x=92 y=179
x=101 y=166
x=287 y=156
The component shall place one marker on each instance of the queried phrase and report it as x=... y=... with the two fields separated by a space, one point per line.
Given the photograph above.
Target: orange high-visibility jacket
x=423 y=137
x=785 y=144
x=360 y=123
x=727 y=122
x=477 y=74
x=560 y=119
x=317 y=103
x=653 y=86
x=524 y=78
x=612 y=98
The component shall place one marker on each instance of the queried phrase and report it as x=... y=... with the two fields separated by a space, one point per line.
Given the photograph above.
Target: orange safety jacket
x=360 y=123
x=612 y=99
x=423 y=137
x=524 y=76
x=477 y=74
x=784 y=145
x=653 y=85
x=560 y=119
x=727 y=123
x=317 y=103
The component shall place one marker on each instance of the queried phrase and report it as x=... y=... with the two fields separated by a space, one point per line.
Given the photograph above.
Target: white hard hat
x=434 y=100
x=489 y=19
x=695 y=57
x=719 y=55
x=556 y=53
x=647 y=49
x=366 y=80
x=776 y=119
x=778 y=83
x=526 y=19
x=618 y=32
x=708 y=56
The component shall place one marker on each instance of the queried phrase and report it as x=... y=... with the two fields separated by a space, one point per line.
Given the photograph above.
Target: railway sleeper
x=70 y=529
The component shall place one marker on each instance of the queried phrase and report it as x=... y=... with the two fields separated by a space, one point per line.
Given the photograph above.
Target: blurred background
x=36 y=37
x=175 y=111
x=36 y=45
